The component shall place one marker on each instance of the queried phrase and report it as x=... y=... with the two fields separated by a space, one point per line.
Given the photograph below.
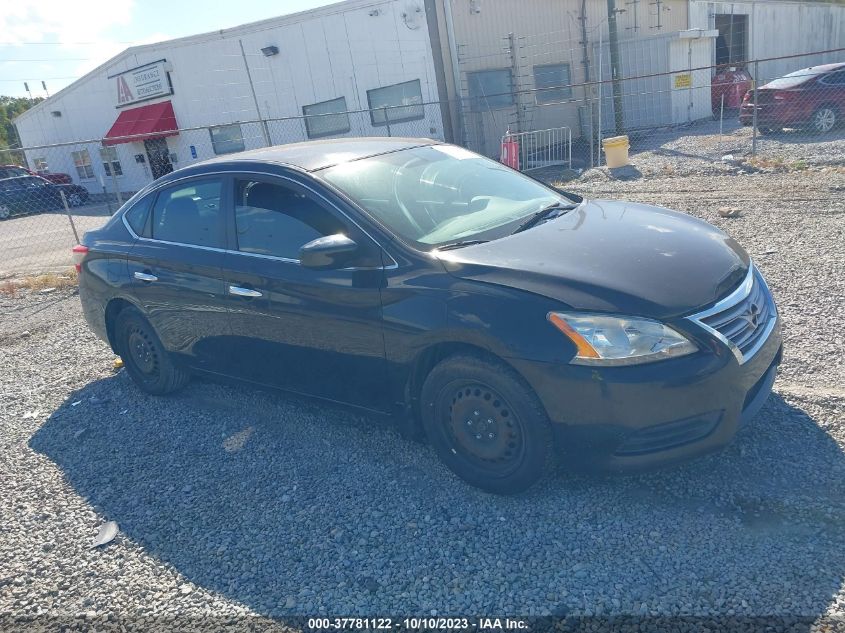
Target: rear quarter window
x=138 y=214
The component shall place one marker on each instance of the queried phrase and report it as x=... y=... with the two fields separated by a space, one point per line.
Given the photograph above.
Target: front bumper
x=647 y=416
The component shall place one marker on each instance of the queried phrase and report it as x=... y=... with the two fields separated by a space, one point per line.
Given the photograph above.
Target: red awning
x=137 y=124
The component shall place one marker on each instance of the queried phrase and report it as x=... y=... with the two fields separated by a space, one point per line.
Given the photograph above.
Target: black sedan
x=516 y=325
x=34 y=194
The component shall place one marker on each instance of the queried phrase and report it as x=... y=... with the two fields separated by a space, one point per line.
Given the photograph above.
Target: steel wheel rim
x=825 y=120
x=482 y=426
x=74 y=200
x=142 y=352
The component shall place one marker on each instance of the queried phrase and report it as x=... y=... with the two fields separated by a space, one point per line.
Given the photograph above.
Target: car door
x=833 y=92
x=311 y=331
x=176 y=270
x=38 y=195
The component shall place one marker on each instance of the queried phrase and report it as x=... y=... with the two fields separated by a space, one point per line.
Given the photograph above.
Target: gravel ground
x=234 y=502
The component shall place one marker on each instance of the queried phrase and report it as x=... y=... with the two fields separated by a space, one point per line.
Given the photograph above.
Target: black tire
x=486 y=424
x=5 y=212
x=765 y=130
x=144 y=357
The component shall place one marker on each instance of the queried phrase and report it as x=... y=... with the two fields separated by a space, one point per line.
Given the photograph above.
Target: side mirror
x=332 y=251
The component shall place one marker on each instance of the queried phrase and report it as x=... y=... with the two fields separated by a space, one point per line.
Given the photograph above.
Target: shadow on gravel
x=295 y=508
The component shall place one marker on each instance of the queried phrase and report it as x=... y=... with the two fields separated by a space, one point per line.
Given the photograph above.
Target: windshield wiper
x=460 y=244
x=546 y=213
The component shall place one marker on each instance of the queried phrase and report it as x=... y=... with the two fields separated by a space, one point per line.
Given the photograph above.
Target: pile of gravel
x=234 y=502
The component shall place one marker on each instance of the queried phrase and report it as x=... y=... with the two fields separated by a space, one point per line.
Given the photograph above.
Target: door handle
x=144 y=276
x=244 y=292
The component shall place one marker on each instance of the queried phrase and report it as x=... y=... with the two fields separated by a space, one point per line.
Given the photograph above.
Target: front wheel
x=486 y=424
x=5 y=212
x=144 y=357
x=74 y=200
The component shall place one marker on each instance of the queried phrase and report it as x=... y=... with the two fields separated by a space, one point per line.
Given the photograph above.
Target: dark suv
x=514 y=323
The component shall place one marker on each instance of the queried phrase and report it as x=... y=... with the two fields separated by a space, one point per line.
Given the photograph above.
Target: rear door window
x=190 y=213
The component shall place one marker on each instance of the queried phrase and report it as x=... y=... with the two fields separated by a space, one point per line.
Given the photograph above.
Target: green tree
x=10 y=107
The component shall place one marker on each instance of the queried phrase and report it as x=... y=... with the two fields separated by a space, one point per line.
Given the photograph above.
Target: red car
x=12 y=171
x=812 y=98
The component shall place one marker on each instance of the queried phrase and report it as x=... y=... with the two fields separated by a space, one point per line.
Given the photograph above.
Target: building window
x=82 y=161
x=227 y=139
x=396 y=103
x=490 y=89
x=326 y=118
x=110 y=162
x=552 y=82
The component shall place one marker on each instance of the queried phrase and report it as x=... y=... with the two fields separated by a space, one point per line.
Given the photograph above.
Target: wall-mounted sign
x=142 y=83
x=683 y=81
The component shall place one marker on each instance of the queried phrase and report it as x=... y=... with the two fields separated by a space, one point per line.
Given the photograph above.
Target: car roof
x=820 y=69
x=314 y=155
x=27 y=177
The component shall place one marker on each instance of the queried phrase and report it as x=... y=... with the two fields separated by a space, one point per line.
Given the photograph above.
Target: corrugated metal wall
x=545 y=32
x=780 y=27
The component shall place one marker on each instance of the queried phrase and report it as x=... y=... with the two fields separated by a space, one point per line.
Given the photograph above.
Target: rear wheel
x=486 y=424
x=824 y=120
x=144 y=357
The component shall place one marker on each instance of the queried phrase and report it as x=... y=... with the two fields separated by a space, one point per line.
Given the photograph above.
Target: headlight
x=612 y=340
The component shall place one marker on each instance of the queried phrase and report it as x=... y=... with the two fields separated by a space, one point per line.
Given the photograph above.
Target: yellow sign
x=683 y=81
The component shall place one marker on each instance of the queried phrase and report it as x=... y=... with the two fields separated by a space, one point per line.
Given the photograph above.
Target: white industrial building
x=385 y=67
x=239 y=86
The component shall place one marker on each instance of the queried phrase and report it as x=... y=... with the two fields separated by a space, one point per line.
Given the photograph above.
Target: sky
x=58 y=41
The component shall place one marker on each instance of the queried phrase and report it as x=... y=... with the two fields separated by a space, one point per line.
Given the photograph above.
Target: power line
x=49 y=59
x=42 y=78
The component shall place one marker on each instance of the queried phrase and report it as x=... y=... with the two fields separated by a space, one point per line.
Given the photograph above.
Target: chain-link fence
x=51 y=194
x=690 y=117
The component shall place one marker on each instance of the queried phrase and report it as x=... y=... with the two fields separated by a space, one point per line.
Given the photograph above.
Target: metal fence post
x=116 y=186
x=387 y=121
x=69 y=216
x=754 y=116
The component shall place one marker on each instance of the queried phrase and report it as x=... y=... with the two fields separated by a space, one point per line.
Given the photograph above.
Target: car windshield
x=442 y=194
x=795 y=79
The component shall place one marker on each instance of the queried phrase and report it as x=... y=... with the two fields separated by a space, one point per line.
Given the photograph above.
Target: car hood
x=610 y=256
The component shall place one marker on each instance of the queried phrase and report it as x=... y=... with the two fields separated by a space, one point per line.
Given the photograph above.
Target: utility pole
x=264 y=129
x=585 y=61
x=614 y=66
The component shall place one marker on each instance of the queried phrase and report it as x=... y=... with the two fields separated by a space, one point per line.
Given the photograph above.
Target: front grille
x=745 y=319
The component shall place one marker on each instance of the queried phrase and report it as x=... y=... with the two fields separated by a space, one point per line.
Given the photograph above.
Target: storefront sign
x=142 y=83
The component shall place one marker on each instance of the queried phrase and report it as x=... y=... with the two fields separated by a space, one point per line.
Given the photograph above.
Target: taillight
x=747 y=97
x=79 y=252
